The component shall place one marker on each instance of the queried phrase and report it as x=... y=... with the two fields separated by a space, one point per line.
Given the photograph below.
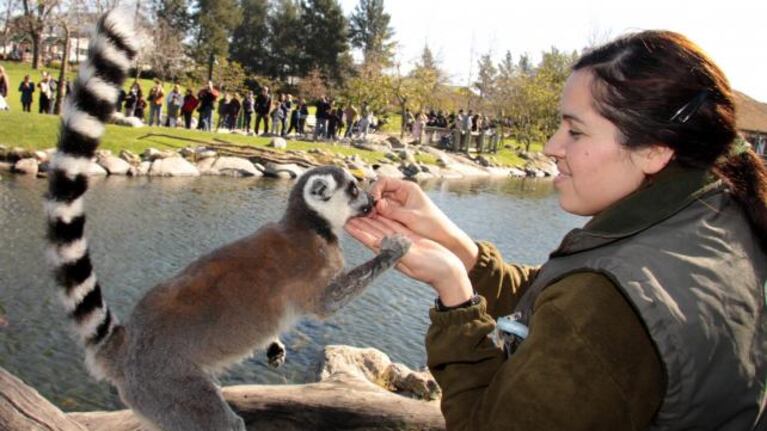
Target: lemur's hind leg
x=187 y=401
x=347 y=286
x=276 y=353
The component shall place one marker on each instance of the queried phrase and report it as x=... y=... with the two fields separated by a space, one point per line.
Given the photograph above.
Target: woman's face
x=595 y=170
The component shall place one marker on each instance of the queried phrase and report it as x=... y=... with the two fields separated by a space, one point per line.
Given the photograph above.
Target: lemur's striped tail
x=86 y=109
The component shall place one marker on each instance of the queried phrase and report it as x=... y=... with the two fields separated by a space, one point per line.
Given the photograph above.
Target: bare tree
x=8 y=22
x=37 y=14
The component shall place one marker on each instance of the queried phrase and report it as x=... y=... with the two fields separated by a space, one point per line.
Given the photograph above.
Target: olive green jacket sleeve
x=588 y=363
x=501 y=284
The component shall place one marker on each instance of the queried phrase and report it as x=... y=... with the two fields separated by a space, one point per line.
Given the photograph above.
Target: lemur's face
x=336 y=196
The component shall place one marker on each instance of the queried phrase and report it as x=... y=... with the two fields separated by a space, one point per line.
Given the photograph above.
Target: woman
x=649 y=317
x=26 y=89
x=173 y=102
x=190 y=103
x=4 y=83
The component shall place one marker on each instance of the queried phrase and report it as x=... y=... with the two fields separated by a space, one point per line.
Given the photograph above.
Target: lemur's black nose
x=368 y=206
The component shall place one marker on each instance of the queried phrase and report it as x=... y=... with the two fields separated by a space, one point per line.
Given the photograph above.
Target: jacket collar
x=671 y=190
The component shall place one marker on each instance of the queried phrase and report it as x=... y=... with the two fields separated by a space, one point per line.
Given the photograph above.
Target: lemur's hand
x=425 y=260
x=405 y=202
x=396 y=244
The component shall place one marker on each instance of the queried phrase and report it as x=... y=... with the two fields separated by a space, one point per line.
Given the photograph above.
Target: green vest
x=696 y=276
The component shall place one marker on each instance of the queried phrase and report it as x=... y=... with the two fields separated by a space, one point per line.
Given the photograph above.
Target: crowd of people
x=265 y=113
x=46 y=88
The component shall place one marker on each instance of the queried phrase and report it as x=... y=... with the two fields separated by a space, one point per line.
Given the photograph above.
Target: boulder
x=129 y=156
x=143 y=169
x=153 y=154
x=236 y=167
x=173 y=167
x=120 y=119
x=206 y=154
x=389 y=170
x=395 y=142
x=205 y=166
x=286 y=170
x=411 y=170
x=113 y=165
x=17 y=153
x=278 y=142
x=27 y=166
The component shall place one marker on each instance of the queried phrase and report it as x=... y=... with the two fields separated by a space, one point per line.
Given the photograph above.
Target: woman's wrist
x=461 y=245
x=454 y=290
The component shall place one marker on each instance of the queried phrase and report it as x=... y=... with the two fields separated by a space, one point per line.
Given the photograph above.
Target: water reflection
x=144 y=230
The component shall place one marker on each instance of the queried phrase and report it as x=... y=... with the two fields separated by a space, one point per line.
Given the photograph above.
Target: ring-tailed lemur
x=219 y=308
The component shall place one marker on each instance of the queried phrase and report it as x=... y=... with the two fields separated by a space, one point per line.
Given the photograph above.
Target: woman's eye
x=575 y=133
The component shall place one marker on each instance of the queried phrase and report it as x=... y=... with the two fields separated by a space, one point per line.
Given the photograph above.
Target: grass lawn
x=38 y=131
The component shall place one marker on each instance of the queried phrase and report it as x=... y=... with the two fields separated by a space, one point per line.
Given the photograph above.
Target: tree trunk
x=403 y=125
x=61 y=87
x=37 y=42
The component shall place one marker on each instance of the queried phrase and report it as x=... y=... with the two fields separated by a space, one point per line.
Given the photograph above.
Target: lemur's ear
x=321 y=189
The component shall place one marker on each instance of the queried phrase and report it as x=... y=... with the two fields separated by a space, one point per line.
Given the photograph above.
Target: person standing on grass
x=351 y=117
x=46 y=93
x=207 y=99
x=27 y=89
x=234 y=111
x=132 y=98
x=263 y=106
x=248 y=107
x=4 y=83
x=173 y=103
x=156 y=98
x=303 y=115
x=187 y=109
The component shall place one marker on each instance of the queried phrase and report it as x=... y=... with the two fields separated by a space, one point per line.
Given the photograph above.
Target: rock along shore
x=221 y=158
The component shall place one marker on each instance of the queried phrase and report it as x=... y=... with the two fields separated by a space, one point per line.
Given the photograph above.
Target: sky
x=732 y=32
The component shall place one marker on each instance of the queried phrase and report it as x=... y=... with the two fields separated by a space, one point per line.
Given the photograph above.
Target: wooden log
x=344 y=402
x=23 y=409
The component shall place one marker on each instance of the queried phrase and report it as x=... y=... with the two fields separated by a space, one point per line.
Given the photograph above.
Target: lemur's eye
x=353 y=190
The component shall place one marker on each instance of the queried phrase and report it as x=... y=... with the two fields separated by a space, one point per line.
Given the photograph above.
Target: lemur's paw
x=396 y=244
x=276 y=354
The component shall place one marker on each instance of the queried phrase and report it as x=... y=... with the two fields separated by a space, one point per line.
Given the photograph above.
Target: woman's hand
x=405 y=203
x=426 y=261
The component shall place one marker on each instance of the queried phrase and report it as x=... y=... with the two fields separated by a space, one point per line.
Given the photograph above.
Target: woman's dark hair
x=658 y=87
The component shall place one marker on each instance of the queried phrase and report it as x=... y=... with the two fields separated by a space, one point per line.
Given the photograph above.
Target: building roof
x=751 y=115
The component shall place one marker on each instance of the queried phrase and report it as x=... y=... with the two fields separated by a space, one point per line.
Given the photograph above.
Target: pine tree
x=324 y=38
x=175 y=14
x=285 y=27
x=486 y=77
x=250 y=38
x=427 y=58
x=213 y=22
x=369 y=30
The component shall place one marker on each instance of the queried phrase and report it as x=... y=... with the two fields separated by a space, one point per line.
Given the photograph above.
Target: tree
x=168 y=58
x=427 y=58
x=486 y=80
x=312 y=86
x=213 y=21
x=37 y=14
x=369 y=30
x=369 y=85
x=250 y=37
x=174 y=14
x=324 y=38
x=284 y=24
x=9 y=10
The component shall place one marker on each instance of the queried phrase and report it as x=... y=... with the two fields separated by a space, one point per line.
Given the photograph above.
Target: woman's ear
x=653 y=158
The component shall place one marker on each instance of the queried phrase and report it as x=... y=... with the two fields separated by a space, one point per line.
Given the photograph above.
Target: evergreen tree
x=427 y=58
x=214 y=21
x=486 y=77
x=250 y=38
x=174 y=14
x=285 y=28
x=369 y=30
x=324 y=38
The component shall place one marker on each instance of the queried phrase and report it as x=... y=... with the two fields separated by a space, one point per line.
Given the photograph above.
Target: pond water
x=144 y=230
